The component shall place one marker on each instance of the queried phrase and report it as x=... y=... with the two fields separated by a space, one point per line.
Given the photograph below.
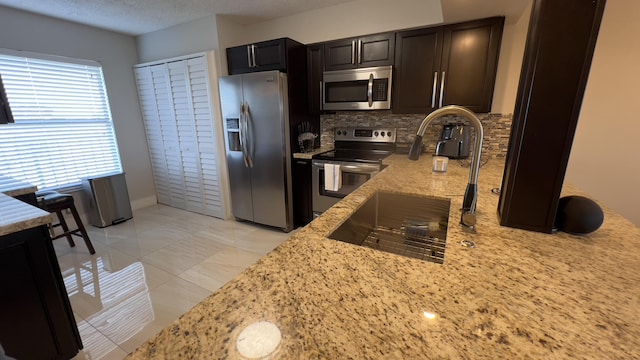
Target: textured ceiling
x=135 y=17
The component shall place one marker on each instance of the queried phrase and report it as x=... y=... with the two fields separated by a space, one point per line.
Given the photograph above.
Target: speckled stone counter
x=16 y=215
x=516 y=295
x=309 y=155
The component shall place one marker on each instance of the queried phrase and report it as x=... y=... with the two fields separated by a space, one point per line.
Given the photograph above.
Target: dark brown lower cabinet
x=35 y=314
x=557 y=59
x=303 y=211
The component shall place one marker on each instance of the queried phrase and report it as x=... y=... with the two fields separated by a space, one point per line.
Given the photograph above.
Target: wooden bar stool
x=53 y=201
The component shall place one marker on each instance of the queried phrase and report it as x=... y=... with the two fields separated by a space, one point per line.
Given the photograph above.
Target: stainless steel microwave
x=357 y=89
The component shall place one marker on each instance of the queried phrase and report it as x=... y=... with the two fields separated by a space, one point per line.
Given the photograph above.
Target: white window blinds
x=63 y=130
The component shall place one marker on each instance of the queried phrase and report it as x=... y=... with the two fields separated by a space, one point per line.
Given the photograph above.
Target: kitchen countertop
x=309 y=155
x=16 y=215
x=517 y=294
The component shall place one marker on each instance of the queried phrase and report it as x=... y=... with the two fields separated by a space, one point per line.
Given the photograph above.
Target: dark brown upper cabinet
x=364 y=51
x=315 y=67
x=447 y=65
x=260 y=56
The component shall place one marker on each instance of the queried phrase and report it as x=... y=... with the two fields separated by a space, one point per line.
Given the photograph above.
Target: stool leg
x=85 y=236
x=65 y=228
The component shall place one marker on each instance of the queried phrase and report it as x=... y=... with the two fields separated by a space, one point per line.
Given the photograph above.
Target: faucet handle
x=416 y=148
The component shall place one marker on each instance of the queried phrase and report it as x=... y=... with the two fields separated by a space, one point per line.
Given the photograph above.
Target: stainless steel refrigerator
x=256 y=124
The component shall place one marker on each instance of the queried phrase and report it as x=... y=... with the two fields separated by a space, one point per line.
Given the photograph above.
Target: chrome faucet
x=468 y=217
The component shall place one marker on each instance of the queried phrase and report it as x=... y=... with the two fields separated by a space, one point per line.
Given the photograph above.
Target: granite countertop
x=309 y=155
x=516 y=295
x=16 y=215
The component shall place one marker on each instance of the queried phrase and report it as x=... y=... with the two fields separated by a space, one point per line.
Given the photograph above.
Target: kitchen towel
x=337 y=177
x=332 y=177
x=329 y=177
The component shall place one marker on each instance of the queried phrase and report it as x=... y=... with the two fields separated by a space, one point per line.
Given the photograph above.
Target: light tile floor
x=151 y=269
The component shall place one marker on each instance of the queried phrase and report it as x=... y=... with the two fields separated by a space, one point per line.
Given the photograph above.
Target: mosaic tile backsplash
x=497 y=128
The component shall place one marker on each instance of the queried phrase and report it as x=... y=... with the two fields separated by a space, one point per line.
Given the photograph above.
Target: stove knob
x=382 y=133
x=389 y=133
x=338 y=132
x=376 y=133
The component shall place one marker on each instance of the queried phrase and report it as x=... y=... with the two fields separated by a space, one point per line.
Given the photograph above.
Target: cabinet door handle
x=442 y=89
x=359 y=51
x=249 y=55
x=321 y=95
x=435 y=90
x=253 y=55
x=353 y=52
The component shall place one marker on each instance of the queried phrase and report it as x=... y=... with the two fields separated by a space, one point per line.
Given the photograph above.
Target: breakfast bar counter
x=516 y=295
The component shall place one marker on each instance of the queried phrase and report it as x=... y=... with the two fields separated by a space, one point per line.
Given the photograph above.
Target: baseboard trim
x=144 y=202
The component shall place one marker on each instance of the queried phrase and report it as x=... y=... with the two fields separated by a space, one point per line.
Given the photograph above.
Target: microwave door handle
x=247 y=118
x=370 y=90
x=435 y=90
x=442 y=89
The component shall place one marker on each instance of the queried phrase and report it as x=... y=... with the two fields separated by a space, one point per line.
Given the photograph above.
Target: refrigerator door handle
x=242 y=136
x=247 y=140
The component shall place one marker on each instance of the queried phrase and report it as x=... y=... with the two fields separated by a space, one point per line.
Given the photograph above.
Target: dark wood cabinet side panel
x=302 y=193
x=24 y=316
x=556 y=64
x=315 y=67
x=34 y=299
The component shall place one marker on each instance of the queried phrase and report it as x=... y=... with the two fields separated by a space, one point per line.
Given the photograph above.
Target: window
x=63 y=131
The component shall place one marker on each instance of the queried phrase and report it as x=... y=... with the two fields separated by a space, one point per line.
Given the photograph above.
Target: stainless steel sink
x=403 y=224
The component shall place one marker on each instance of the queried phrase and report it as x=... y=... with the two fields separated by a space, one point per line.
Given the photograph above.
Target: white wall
x=353 y=18
x=182 y=39
x=604 y=158
x=117 y=54
x=510 y=63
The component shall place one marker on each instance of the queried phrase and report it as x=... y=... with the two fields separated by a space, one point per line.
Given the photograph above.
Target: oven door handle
x=357 y=169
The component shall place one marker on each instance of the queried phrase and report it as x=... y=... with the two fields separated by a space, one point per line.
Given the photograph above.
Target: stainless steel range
x=356 y=158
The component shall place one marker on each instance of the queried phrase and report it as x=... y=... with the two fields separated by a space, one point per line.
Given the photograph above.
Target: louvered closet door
x=205 y=135
x=176 y=104
x=184 y=115
x=170 y=138
x=153 y=130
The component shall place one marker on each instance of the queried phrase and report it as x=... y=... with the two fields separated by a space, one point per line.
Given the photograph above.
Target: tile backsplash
x=496 y=127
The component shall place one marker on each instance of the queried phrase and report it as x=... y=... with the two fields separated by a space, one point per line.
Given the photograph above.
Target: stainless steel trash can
x=108 y=199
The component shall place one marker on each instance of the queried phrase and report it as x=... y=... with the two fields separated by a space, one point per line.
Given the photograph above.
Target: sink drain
x=468 y=244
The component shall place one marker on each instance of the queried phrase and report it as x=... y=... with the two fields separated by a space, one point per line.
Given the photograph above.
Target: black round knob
x=578 y=215
x=389 y=133
x=376 y=133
